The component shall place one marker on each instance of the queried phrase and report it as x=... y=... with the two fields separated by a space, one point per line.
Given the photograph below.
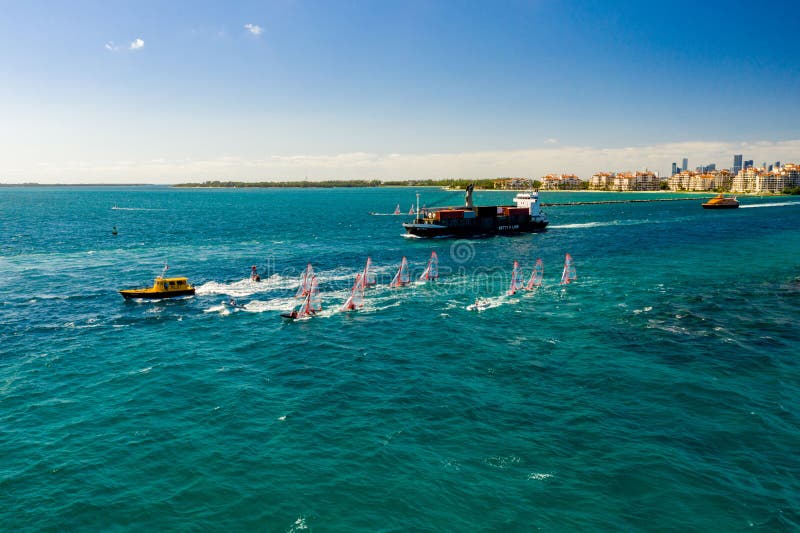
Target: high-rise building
x=748 y=164
x=674 y=169
x=777 y=165
x=685 y=165
x=737 y=163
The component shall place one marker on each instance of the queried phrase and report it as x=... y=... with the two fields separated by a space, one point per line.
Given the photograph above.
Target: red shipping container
x=451 y=213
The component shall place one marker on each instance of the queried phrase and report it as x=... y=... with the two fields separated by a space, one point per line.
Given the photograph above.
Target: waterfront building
x=674 y=168
x=561 y=182
x=685 y=165
x=512 y=184
x=602 y=181
x=745 y=181
x=636 y=181
x=760 y=180
x=680 y=181
x=700 y=181
x=722 y=180
x=790 y=173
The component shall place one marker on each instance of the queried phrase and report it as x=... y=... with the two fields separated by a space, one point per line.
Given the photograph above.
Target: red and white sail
x=356 y=299
x=368 y=276
x=517 y=281
x=432 y=270
x=535 y=280
x=412 y=210
x=311 y=303
x=402 y=277
x=568 y=275
x=305 y=281
x=397 y=210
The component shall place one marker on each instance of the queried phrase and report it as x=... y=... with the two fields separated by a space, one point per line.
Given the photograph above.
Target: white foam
x=136 y=209
x=247 y=287
x=275 y=304
x=776 y=204
x=599 y=224
x=221 y=309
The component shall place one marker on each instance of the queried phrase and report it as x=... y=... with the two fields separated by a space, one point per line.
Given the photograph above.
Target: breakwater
x=646 y=200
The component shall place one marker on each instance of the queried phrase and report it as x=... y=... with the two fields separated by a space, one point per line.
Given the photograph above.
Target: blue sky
x=390 y=89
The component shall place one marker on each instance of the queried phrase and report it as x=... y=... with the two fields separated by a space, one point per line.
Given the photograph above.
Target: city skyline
x=163 y=94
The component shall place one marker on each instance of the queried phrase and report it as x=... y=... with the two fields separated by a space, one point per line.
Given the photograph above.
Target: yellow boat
x=162 y=288
x=720 y=202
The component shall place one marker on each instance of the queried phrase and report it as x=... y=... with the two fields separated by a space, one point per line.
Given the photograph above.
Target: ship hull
x=474 y=230
x=720 y=206
x=151 y=295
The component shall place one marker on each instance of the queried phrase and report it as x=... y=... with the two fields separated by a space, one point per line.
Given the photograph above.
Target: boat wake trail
x=776 y=204
x=482 y=304
x=115 y=208
x=246 y=287
x=600 y=224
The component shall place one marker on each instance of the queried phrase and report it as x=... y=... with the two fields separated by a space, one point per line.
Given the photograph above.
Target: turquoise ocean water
x=659 y=391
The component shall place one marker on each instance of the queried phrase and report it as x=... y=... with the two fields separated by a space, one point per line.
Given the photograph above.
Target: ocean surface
x=659 y=391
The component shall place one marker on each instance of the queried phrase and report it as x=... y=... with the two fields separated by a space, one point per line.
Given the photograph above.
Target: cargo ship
x=525 y=216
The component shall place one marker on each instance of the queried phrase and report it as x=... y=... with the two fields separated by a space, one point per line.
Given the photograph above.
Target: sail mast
x=569 y=274
x=516 y=279
x=368 y=277
x=356 y=299
x=305 y=281
x=432 y=270
x=535 y=280
x=401 y=278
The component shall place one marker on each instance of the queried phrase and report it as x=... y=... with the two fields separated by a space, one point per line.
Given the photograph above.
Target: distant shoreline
x=327 y=185
x=35 y=185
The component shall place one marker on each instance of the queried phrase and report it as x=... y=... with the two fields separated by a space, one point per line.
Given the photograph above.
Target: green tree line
x=452 y=183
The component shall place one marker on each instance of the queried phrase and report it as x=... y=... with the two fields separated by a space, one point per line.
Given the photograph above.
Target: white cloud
x=254 y=29
x=136 y=44
x=533 y=162
x=551 y=141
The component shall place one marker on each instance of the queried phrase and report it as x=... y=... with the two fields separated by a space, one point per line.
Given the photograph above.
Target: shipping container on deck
x=451 y=213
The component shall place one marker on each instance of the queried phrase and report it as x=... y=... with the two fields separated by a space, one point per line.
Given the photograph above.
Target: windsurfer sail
x=568 y=275
x=402 y=277
x=397 y=210
x=368 y=276
x=305 y=281
x=356 y=299
x=536 y=277
x=412 y=210
x=311 y=304
x=516 y=279
x=432 y=270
